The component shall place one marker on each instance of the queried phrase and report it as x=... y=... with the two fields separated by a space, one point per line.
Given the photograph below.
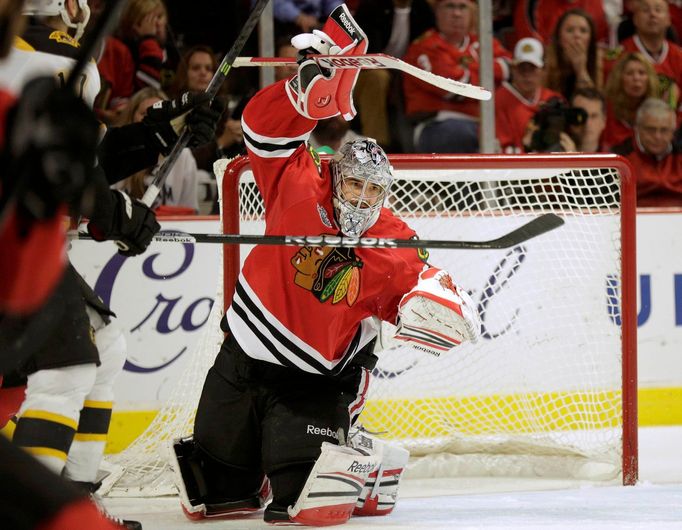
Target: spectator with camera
x=632 y=80
x=549 y=131
x=517 y=101
x=587 y=135
x=656 y=160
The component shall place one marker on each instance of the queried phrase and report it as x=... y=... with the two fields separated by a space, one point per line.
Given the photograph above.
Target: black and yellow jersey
x=44 y=51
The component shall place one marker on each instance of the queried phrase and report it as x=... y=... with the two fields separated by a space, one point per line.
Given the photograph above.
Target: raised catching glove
x=52 y=141
x=166 y=119
x=318 y=93
x=437 y=315
x=126 y=220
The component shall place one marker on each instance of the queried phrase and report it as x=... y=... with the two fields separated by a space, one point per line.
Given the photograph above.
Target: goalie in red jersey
x=292 y=374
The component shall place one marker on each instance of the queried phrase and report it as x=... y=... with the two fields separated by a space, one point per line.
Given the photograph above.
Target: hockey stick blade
x=534 y=228
x=375 y=61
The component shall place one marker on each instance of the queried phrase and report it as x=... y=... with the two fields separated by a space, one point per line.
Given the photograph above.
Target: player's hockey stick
x=375 y=61
x=534 y=228
x=212 y=89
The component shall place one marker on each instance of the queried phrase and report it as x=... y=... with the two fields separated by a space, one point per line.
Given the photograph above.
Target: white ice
x=655 y=503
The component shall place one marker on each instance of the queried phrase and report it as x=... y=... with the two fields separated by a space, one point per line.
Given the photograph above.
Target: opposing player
x=33 y=496
x=64 y=418
x=292 y=373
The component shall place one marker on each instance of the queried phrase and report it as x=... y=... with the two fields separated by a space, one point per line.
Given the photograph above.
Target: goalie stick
x=375 y=61
x=534 y=228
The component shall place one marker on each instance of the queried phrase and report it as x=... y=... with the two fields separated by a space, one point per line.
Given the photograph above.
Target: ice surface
x=655 y=503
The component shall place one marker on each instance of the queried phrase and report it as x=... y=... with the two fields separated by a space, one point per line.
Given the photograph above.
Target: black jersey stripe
x=270 y=146
x=288 y=344
x=284 y=341
x=282 y=359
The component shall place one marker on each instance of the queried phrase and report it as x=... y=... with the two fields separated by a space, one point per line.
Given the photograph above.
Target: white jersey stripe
x=263 y=337
x=275 y=140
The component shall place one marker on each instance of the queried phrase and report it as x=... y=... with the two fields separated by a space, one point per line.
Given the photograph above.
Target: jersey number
x=81 y=85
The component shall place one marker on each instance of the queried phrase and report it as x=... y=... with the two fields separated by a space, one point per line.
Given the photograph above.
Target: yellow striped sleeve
x=50 y=416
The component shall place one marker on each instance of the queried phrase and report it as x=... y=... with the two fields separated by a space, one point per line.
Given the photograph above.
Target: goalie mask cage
x=549 y=390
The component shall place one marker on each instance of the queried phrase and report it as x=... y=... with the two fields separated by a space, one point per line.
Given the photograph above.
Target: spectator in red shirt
x=632 y=80
x=517 y=101
x=652 y=19
x=573 y=59
x=538 y=18
x=132 y=59
x=446 y=123
x=657 y=162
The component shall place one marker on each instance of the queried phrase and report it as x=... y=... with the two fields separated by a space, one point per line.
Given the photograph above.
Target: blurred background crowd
x=570 y=76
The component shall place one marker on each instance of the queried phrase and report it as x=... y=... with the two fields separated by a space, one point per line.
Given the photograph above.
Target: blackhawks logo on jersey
x=329 y=273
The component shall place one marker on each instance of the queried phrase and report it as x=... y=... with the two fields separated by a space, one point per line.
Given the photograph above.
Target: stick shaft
x=212 y=89
x=534 y=228
x=375 y=61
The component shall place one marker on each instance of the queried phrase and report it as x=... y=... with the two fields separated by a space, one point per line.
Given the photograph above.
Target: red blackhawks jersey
x=659 y=179
x=309 y=308
x=538 y=18
x=668 y=64
x=513 y=112
x=45 y=51
x=616 y=130
x=431 y=52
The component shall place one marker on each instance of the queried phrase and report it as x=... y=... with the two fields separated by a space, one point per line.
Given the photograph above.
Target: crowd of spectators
x=597 y=65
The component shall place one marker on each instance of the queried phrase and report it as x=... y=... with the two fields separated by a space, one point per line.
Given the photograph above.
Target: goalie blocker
x=318 y=93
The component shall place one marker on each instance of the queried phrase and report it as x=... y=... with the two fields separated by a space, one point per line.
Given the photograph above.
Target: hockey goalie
x=278 y=408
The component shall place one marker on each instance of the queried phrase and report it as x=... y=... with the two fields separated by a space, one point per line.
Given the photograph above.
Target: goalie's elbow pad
x=437 y=315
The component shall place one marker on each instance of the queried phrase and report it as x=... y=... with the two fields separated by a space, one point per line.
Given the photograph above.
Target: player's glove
x=126 y=220
x=437 y=315
x=318 y=93
x=52 y=140
x=165 y=120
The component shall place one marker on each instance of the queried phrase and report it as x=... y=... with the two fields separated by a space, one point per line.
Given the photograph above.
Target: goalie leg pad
x=194 y=487
x=380 y=493
x=333 y=486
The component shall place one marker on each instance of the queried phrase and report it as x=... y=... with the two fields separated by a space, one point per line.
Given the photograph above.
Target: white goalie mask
x=362 y=178
x=52 y=8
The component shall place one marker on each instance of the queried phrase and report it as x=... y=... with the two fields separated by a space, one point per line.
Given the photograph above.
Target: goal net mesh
x=540 y=393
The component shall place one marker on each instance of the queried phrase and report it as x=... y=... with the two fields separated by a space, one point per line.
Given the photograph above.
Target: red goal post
x=561 y=312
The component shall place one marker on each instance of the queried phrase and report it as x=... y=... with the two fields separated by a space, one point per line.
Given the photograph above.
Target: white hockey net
x=549 y=390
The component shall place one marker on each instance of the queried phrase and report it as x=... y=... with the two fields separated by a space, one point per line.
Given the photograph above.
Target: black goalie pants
x=258 y=418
